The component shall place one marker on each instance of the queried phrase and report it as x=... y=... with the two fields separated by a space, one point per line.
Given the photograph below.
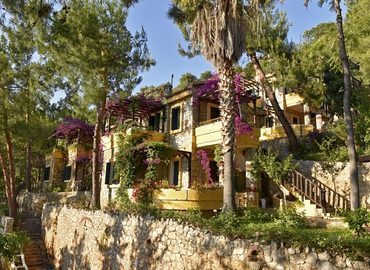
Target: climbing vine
x=125 y=159
x=127 y=162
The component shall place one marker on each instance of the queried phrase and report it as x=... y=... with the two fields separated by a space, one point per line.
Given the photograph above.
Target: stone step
x=35 y=252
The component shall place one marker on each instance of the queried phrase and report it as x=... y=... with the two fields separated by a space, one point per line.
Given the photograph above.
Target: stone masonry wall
x=81 y=239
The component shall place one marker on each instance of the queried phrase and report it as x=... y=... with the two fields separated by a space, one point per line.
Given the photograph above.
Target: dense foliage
x=12 y=243
x=357 y=219
x=136 y=153
x=203 y=158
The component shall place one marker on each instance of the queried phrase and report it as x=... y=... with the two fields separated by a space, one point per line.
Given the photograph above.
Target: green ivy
x=126 y=165
x=157 y=151
x=218 y=155
x=125 y=158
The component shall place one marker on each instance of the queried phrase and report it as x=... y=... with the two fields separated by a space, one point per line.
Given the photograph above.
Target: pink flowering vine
x=71 y=128
x=204 y=161
x=152 y=161
x=241 y=127
x=210 y=88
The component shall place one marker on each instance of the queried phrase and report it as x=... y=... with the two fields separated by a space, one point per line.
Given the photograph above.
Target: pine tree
x=351 y=147
x=92 y=48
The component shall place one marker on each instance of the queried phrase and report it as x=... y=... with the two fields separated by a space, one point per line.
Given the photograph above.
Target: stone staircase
x=35 y=252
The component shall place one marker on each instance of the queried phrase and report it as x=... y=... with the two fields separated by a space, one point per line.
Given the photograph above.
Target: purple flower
x=204 y=161
x=71 y=128
x=241 y=127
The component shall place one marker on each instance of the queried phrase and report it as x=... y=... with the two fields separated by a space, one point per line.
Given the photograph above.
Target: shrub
x=257 y=215
x=11 y=244
x=226 y=222
x=357 y=219
x=289 y=217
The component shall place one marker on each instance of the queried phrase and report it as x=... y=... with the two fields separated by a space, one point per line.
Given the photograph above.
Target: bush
x=289 y=217
x=357 y=219
x=257 y=215
x=11 y=244
x=226 y=222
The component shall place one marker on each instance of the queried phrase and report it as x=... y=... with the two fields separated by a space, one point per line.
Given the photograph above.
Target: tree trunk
x=353 y=171
x=29 y=146
x=8 y=190
x=10 y=168
x=293 y=144
x=227 y=102
x=96 y=158
x=28 y=165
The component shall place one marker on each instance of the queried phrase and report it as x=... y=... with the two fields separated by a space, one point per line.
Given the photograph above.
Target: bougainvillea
x=143 y=192
x=83 y=159
x=238 y=87
x=210 y=88
x=204 y=162
x=139 y=105
x=241 y=127
x=72 y=128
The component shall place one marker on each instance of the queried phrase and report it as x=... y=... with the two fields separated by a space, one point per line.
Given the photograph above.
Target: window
x=46 y=174
x=67 y=173
x=295 y=120
x=214 y=112
x=154 y=121
x=110 y=174
x=175 y=171
x=269 y=121
x=175 y=118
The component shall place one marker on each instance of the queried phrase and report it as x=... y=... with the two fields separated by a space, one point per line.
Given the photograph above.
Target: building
x=188 y=121
x=68 y=166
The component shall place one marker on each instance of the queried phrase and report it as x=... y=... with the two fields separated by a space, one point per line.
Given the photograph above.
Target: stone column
x=248 y=175
x=185 y=173
x=319 y=122
x=307 y=114
x=7 y=224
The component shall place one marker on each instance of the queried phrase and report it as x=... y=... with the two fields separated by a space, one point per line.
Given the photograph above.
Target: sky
x=164 y=36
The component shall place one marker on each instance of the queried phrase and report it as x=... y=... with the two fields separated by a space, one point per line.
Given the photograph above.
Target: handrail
x=209 y=121
x=319 y=193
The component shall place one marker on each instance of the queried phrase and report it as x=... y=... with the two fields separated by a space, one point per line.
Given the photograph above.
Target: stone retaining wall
x=34 y=201
x=81 y=239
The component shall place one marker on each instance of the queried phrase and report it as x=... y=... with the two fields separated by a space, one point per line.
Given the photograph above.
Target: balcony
x=209 y=134
x=278 y=132
x=153 y=136
x=293 y=99
x=111 y=140
x=183 y=199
